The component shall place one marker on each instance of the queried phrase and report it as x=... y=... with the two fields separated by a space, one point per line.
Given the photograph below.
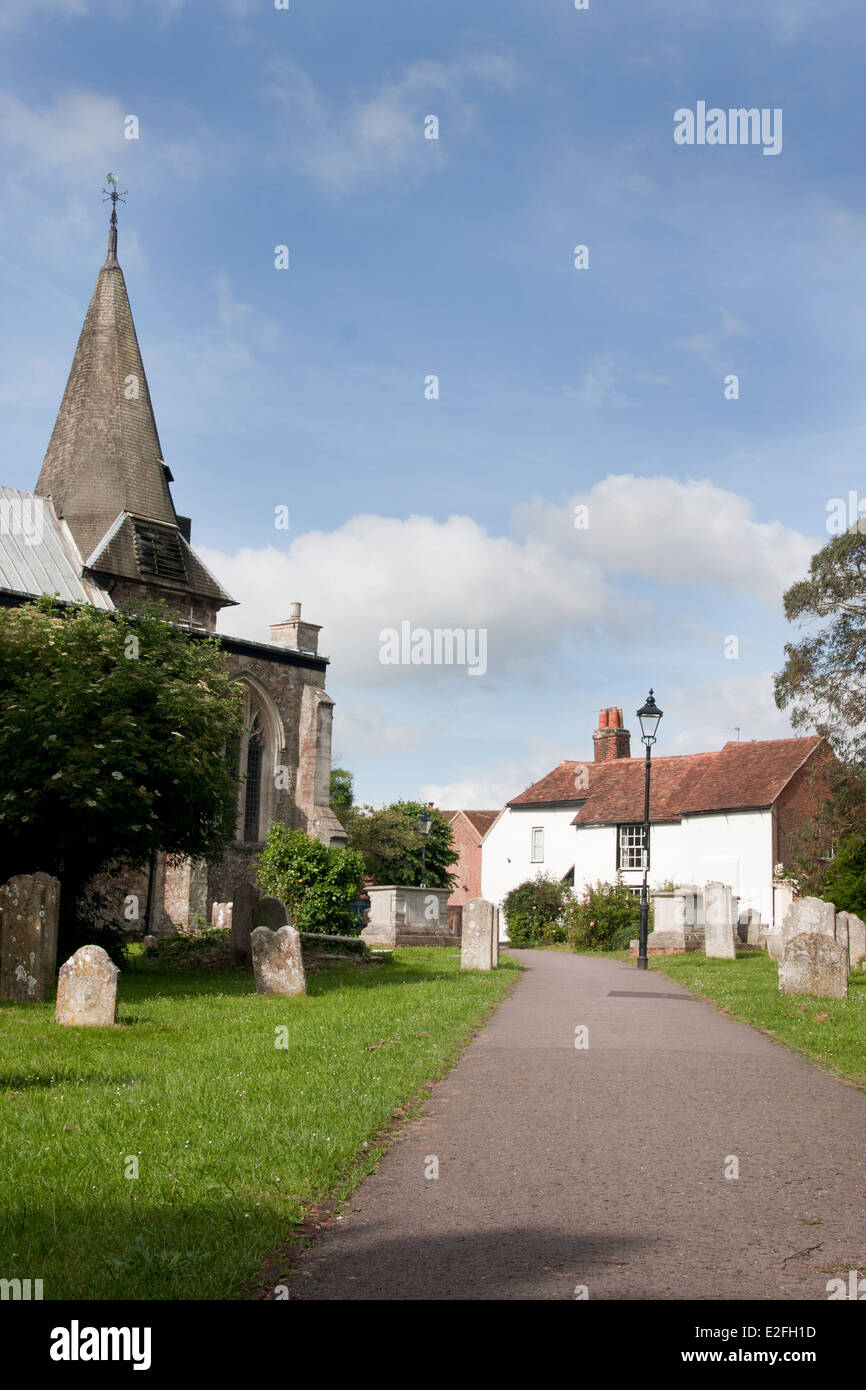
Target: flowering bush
x=533 y=912
x=605 y=917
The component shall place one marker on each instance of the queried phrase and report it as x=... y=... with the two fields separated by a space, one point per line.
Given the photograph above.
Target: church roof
x=104 y=456
x=38 y=555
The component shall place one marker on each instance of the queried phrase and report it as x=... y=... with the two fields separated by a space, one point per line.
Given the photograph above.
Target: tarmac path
x=604 y=1165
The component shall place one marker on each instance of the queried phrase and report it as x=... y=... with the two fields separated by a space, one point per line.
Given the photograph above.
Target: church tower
x=105 y=473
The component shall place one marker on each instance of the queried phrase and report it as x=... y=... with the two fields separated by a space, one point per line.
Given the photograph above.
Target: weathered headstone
x=29 y=906
x=814 y=964
x=808 y=915
x=277 y=963
x=719 y=926
x=856 y=938
x=150 y=942
x=476 y=946
x=842 y=934
x=87 y=990
x=270 y=912
x=244 y=903
x=750 y=926
x=774 y=941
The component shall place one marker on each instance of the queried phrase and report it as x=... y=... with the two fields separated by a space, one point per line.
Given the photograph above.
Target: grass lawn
x=829 y=1032
x=234 y=1135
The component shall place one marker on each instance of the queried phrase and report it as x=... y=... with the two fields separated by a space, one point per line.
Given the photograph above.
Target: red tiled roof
x=481 y=820
x=740 y=776
x=558 y=785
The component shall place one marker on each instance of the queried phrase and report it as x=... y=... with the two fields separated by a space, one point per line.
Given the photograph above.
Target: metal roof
x=38 y=555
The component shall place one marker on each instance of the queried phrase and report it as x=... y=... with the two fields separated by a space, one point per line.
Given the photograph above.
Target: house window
x=537 y=844
x=630 y=847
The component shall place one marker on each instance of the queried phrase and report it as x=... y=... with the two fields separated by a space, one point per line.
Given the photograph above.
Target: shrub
x=533 y=912
x=605 y=917
x=318 y=883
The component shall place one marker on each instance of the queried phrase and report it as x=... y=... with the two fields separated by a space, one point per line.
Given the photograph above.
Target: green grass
x=829 y=1032
x=235 y=1137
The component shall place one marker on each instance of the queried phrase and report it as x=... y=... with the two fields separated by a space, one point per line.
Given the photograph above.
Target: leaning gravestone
x=87 y=990
x=813 y=964
x=29 y=906
x=477 y=943
x=719 y=925
x=856 y=938
x=277 y=963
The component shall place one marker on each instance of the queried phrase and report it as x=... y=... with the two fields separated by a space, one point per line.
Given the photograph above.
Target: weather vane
x=111 y=180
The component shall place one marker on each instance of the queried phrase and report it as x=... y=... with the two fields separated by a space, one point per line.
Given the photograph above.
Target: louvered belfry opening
x=158 y=551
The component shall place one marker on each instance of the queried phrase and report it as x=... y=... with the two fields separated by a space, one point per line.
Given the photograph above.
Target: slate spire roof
x=103 y=468
x=104 y=456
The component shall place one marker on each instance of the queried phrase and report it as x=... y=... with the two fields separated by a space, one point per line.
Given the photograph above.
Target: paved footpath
x=605 y=1166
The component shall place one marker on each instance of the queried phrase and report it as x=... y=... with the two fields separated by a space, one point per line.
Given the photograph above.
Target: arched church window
x=253 y=782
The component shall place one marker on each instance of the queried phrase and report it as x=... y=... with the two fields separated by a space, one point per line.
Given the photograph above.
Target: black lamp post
x=649 y=716
x=424 y=825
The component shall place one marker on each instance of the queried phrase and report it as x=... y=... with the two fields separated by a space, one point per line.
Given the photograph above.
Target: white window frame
x=533 y=857
x=630 y=846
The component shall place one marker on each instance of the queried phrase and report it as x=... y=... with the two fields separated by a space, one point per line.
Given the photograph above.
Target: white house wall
x=506 y=852
x=734 y=848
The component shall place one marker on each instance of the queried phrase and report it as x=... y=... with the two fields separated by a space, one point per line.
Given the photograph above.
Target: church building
x=101 y=527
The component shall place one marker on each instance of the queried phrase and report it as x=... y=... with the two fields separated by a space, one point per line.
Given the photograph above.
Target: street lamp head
x=425 y=822
x=649 y=716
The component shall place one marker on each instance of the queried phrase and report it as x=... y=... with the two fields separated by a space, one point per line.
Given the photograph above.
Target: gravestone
x=277 y=963
x=243 y=906
x=809 y=915
x=856 y=939
x=842 y=934
x=814 y=964
x=87 y=990
x=477 y=944
x=221 y=915
x=774 y=941
x=750 y=927
x=719 y=940
x=29 y=906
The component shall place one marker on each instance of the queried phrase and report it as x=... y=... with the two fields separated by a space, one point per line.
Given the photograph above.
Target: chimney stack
x=302 y=637
x=610 y=739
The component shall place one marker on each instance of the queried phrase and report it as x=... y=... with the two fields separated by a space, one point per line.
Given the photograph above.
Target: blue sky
x=559 y=387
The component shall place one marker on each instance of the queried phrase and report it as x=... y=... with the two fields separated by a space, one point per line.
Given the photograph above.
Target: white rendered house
x=729 y=816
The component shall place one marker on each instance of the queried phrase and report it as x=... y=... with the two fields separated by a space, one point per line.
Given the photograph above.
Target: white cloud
x=532 y=593
x=691 y=533
x=375 y=572
x=382 y=131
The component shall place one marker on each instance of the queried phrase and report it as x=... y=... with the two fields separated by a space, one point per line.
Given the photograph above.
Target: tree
x=316 y=882
x=823 y=682
x=391 y=843
x=113 y=730
x=823 y=687
x=342 y=795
